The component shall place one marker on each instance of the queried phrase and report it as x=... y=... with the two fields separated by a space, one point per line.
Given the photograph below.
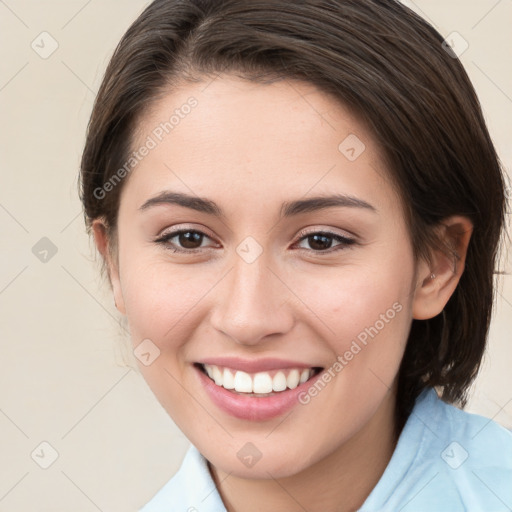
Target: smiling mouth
x=260 y=384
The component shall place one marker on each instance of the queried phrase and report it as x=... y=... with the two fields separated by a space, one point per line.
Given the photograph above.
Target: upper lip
x=255 y=365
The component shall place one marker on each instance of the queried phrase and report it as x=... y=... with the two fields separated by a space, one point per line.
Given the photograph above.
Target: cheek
x=159 y=296
x=162 y=305
x=366 y=315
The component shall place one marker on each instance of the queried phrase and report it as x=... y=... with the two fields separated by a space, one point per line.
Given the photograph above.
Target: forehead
x=286 y=138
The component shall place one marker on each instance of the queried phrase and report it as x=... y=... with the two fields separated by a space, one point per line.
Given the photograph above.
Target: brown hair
x=378 y=58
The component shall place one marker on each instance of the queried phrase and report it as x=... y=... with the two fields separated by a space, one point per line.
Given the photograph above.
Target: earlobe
x=438 y=279
x=103 y=244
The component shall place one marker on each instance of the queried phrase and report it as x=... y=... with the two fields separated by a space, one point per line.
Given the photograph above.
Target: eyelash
x=344 y=242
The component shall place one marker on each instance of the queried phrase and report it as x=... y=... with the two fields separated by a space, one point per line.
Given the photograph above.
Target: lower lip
x=253 y=408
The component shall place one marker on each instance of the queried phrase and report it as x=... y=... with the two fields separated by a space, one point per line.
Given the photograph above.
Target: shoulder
x=467 y=440
x=191 y=489
x=467 y=457
x=476 y=458
x=448 y=460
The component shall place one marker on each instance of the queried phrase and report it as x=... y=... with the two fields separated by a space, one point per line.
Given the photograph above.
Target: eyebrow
x=321 y=202
x=288 y=209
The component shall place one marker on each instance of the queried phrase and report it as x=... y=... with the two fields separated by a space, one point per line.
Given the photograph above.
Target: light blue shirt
x=446 y=460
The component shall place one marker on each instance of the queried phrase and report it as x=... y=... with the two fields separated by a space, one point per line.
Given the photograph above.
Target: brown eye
x=319 y=242
x=185 y=240
x=322 y=242
x=190 y=239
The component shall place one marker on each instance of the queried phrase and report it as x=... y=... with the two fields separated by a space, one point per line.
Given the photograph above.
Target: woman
x=299 y=207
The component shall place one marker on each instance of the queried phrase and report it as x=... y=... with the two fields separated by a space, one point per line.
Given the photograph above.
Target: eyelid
x=165 y=235
x=185 y=227
x=326 y=231
x=345 y=242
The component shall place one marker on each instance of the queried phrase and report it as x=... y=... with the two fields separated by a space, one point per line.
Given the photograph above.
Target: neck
x=340 y=482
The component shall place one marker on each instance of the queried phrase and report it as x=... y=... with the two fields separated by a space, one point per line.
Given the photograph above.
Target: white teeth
x=279 y=382
x=217 y=375
x=260 y=383
x=304 y=376
x=243 y=382
x=292 y=381
x=228 y=379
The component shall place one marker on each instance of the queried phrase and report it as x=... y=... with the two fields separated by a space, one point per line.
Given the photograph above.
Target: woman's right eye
x=184 y=240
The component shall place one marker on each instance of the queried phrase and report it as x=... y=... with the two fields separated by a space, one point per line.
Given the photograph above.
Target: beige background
x=62 y=376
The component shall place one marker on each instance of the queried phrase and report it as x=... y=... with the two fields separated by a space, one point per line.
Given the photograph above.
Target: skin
x=249 y=148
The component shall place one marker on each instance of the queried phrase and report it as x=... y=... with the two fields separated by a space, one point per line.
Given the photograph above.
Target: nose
x=253 y=303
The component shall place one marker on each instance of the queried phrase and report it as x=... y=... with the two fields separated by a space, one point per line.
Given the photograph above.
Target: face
x=261 y=242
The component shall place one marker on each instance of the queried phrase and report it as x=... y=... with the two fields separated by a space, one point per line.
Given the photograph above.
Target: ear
x=103 y=244
x=437 y=280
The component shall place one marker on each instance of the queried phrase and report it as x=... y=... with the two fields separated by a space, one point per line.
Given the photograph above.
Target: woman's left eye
x=323 y=241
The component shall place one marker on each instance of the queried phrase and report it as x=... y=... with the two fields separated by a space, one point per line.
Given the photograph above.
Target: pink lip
x=253 y=408
x=256 y=365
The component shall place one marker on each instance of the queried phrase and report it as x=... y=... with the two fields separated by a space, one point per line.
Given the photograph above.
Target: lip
x=255 y=365
x=253 y=408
